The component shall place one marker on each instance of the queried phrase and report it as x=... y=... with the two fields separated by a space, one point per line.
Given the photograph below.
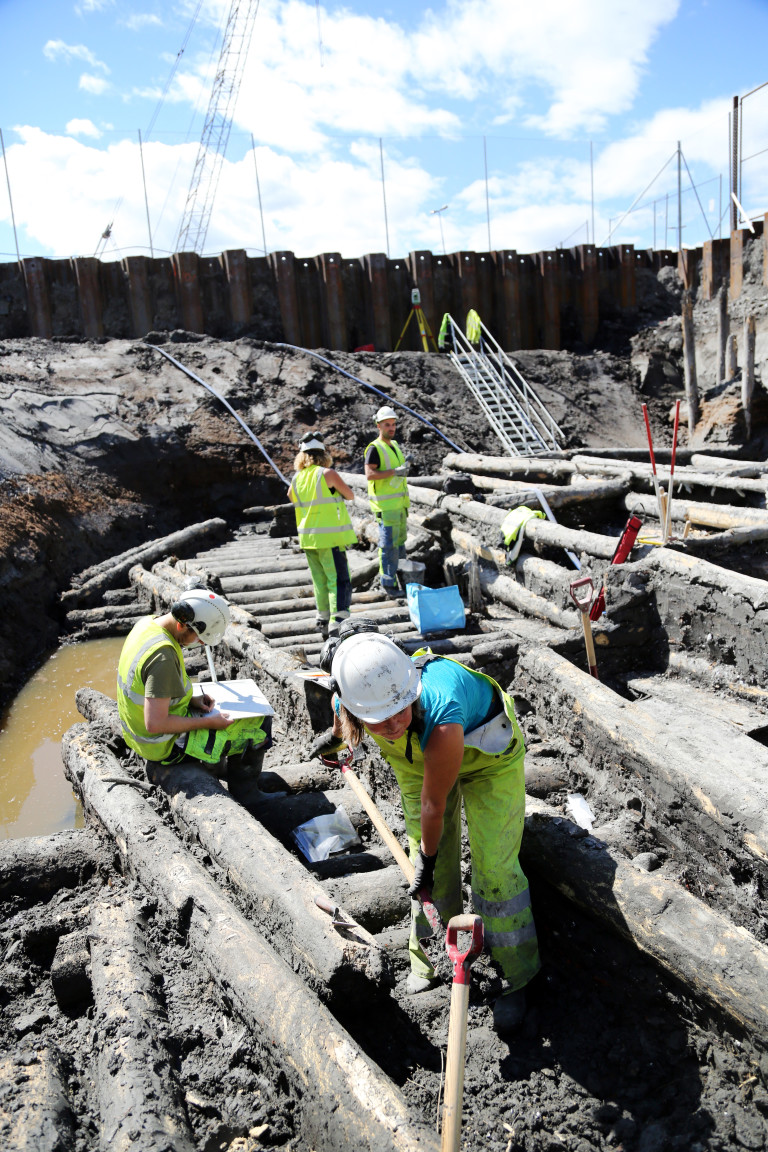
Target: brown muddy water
x=35 y=798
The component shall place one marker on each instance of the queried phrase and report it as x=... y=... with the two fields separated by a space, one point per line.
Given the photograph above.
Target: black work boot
x=243 y=776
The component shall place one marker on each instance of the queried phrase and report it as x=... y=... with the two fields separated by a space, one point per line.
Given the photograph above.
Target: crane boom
x=218 y=122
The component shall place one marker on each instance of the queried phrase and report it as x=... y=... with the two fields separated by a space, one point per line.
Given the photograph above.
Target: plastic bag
x=435 y=609
x=326 y=835
x=579 y=811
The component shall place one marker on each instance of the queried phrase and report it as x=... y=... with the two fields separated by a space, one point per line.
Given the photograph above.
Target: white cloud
x=83 y=128
x=58 y=49
x=93 y=84
x=139 y=20
x=92 y=6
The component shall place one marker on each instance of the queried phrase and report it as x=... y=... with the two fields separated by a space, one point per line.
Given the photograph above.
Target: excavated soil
x=105 y=445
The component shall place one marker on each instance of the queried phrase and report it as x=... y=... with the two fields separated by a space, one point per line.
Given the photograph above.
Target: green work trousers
x=494 y=802
x=331 y=584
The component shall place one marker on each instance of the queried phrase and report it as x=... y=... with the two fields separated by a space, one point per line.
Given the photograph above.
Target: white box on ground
x=241 y=698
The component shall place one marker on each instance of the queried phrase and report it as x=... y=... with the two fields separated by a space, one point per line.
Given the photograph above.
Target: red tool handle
x=674 y=439
x=582 y=602
x=650 y=438
x=623 y=548
x=462 y=960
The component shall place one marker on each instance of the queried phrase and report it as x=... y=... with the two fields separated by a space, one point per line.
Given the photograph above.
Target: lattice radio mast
x=218 y=122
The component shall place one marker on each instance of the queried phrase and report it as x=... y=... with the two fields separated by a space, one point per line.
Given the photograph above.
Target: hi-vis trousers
x=494 y=802
x=331 y=584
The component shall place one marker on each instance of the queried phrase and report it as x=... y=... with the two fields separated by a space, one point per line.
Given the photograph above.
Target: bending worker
x=325 y=530
x=450 y=735
x=385 y=471
x=161 y=719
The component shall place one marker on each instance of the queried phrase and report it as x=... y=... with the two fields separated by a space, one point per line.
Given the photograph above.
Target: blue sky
x=443 y=96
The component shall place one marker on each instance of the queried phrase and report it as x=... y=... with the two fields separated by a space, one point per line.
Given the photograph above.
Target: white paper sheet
x=241 y=698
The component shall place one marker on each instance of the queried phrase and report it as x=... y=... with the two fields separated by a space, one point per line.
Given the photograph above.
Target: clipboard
x=241 y=698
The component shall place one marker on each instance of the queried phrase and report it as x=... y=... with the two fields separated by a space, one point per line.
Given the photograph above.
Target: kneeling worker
x=160 y=719
x=385 y=471
x=450 y=736
x=325 y=530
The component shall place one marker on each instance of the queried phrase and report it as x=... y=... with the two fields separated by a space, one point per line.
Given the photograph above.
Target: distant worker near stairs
x=325 y=530
x=386 y=470
x=162 y=721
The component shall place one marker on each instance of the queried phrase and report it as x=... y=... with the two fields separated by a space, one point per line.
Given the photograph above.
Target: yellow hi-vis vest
x=322 y=519
x=388 y=495
x=142 y=641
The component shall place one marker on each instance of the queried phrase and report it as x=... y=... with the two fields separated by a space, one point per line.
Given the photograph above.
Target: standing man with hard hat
x=161 y=720
x=451 y=736
x=386 y=471
x=325 y=530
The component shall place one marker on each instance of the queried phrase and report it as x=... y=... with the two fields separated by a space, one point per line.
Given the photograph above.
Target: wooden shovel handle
x=380 y=824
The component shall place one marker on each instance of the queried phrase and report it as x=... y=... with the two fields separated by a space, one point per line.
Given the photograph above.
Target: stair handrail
x=508 y=376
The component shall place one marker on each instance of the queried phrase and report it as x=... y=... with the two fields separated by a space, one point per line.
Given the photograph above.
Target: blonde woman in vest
x=385 y=471
x=325 y=530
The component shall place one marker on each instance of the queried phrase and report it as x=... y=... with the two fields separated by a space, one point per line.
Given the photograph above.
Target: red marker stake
x=668 y=525
x=653 y=466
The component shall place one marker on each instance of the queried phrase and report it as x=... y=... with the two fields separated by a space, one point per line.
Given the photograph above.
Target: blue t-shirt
x=451 y=694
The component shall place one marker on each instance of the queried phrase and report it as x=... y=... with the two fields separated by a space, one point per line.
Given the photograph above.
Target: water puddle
x=35 y=797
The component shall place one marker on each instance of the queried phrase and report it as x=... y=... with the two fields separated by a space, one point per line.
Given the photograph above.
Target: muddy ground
x=104 y=445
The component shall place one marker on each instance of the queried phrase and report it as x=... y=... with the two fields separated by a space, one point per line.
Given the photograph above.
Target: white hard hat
x=310 y=441
x=204 y=612
x=386 y=413
x=375 y=678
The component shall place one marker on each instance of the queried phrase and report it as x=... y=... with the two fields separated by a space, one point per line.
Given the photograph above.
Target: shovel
x=582 y=592
x=391 y=841
x=457 y=1024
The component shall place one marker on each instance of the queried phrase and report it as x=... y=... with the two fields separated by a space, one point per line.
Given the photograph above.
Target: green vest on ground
x=142 y=641
x=388 y=495
x=322 y=519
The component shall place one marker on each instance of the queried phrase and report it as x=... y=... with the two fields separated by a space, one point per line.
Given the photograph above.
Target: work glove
x=423 y=873
x=325 y=744
x=401 y=470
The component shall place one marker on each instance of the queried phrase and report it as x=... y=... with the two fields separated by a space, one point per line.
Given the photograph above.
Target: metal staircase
x=514 y=411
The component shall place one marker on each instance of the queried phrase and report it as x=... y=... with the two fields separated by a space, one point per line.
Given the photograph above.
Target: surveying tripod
x=421 y=320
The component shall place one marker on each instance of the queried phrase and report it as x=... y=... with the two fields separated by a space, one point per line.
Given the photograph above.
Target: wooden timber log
x=272 y=609
x=119 y=566
x=139 y=1098
x=685 y=478
x=541 y=533
x=44 y=1123
x=720 y=542
x=261 y=566
x=106 y=614
x=557 y=496
x=37 y=866
x=722 y=963
x=301 y=622
x=279 y=892
x=528 y=467
x=515 y=595
x=668 y=749
x=349 y=1102
x=701 y=462
x=721 y=516
x=294 y=578
x=377 y=901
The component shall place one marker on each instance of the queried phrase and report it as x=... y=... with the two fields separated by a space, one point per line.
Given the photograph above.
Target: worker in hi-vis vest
x=386 y=470
x=160 y=717
x=325 y=530
x=452 y=739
